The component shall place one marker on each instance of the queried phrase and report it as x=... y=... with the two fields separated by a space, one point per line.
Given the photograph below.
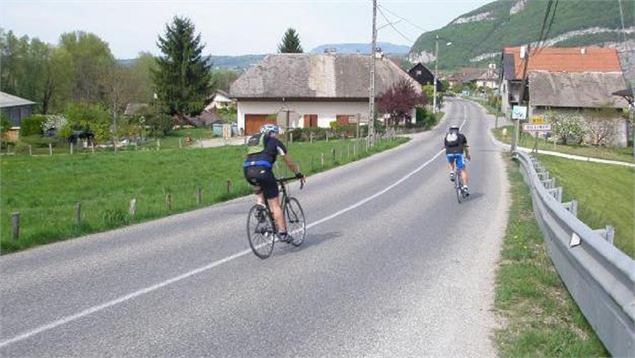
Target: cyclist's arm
x=466 y=149
x=290 y=163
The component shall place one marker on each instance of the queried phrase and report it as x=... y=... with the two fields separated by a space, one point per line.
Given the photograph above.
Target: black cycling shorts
x=263 y=177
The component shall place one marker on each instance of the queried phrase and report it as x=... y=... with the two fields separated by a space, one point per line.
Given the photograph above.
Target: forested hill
x=478 y=36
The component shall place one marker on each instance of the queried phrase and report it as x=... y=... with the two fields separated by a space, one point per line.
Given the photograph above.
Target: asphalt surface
x=392 y=266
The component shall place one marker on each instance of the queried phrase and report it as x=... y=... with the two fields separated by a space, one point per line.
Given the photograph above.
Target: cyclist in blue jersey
x=456 y=151
x=263 y=149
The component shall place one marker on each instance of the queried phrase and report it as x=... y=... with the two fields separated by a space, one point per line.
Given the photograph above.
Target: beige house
x=311 y=90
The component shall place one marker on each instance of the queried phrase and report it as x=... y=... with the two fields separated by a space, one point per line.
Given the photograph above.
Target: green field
x=605 y=195
x=527 y=141
x=45 y=190
x=540 y=319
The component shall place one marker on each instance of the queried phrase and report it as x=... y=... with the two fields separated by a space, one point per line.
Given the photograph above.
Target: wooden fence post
x=327 y=136
x=229 y=186
x=291 y=137
x=71 y=147
x=78 y=213
x=168 y=201
x=322 y=159
x=199 y=195
x=15 y=225
x=30 y=150
x=333 y=154
x=158 y=144
x=92 y=146
x=311 y=137
x=180 y=143
x=50 y=149
x=132 y=208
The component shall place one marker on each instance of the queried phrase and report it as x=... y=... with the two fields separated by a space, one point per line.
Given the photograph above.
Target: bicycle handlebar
x=288 y=179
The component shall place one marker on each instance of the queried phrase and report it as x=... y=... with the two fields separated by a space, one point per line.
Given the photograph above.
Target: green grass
x=540 y=319
x=605 y=194
x=526 y=140
x=45 y=190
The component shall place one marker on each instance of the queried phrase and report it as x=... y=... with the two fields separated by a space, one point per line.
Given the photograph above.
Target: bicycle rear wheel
x=296 y=223
x=458 y=187
x=260 y=231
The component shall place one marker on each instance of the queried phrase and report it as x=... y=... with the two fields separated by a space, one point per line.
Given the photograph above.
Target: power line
x=402 y=18
x=393 y=26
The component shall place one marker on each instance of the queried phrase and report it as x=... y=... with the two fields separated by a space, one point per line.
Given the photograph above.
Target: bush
x=32 y=125
x=567 y=127
x=5 y=123
x=159 y=125
x=93 y=118
x=425 y=119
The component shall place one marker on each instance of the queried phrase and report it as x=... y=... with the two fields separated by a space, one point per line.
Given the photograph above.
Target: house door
x=310 y=120
x=253 y=122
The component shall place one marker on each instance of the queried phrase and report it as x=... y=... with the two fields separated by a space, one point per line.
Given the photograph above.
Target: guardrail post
x=572 y=207
x=556 y=193
x=549 y=183
x=608 y=233
x=543 y=175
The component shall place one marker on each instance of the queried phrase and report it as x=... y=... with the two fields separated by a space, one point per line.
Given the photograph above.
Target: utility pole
x=436 y=63
x=371 y=99
x=521 y=98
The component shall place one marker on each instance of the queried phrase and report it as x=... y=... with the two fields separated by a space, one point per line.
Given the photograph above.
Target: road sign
x=537 y=127
x=519 y=112
x=537 y=120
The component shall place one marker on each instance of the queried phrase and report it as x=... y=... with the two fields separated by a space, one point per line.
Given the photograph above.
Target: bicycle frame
x=284 y=197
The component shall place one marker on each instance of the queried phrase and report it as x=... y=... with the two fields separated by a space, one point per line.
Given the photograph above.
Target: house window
x=310 y=120
x=419 y=72
x=343 y=119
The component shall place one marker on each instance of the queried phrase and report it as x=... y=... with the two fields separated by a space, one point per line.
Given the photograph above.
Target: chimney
x=523 y=51
x=379 y=54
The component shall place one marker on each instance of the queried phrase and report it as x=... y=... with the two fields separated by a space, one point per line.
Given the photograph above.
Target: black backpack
x=452 y=139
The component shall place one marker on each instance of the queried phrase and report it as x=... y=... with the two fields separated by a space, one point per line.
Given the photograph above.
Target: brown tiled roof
x=570 y=89
x=571 y=59
x=317 y=76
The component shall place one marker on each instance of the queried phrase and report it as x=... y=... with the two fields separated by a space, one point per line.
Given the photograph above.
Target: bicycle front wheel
x=296 y=224
x=260 y=231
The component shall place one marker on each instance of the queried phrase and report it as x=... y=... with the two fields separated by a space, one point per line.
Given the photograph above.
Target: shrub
x=89 y=117
x=5 y=123
x=32 y=125
x=425 y=119
x=567 y=127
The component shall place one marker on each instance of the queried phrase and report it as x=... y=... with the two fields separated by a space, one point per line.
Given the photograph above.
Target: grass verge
x=45 y=190
x=605 y=195
x=504 y=134
x=540 y=317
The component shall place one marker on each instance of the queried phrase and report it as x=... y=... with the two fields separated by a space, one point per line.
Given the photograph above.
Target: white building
x=311 y=90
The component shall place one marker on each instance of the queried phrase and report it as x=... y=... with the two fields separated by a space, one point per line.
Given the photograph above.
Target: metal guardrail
x=600 y=277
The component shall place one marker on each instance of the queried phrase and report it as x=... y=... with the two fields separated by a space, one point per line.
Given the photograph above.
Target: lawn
x=540 y=319
x=621 y=154
x=45 y=190
x=605 y=195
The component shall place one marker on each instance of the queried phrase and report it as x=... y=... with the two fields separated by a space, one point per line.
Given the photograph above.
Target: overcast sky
x=228 y=27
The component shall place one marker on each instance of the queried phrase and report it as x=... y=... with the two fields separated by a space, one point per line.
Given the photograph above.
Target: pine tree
x=290 y=42
x=182 y=75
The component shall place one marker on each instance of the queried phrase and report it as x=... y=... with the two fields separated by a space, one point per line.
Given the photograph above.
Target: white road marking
x=149 y=289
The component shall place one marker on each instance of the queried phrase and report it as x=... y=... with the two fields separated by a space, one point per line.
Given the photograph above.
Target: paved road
x=392 y=266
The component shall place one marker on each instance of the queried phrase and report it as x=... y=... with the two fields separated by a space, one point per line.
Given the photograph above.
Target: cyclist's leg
x=271 y=194
x=251 y=175
x=460 y=163
x=450 y=158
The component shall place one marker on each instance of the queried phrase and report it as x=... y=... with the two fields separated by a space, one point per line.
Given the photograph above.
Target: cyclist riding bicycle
x=456 y=150
x=263 y=149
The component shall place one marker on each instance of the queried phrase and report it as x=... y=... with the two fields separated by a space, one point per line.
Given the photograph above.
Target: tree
x=399 y=100
x=290 y=42
x=92 y=61
x=182 y=76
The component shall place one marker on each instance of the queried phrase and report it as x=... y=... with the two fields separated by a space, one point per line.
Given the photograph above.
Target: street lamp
x=436 y=63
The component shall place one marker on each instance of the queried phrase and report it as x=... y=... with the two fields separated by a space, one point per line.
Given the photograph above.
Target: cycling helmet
x=269 y=128
x=454 y=128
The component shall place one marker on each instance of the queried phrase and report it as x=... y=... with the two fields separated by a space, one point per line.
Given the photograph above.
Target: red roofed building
x=566 y=80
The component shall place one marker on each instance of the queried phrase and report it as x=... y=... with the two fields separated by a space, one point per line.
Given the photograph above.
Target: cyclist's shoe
x=451 y=176
x=284 y=237
x=261 y=214
x=465 y=190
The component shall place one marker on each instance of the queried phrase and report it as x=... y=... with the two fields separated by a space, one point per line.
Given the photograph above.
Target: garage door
x=253 y=122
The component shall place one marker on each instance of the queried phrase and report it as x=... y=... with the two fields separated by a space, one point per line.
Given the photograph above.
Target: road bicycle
x=461 y=194
x=262 y=232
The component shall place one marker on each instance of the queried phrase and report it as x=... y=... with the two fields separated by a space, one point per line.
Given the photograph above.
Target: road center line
x=214 y=264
